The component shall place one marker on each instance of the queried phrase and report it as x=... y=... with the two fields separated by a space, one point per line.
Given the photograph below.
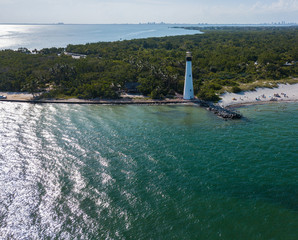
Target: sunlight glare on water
x=147 y=172
x=16 y=35
x=55 y=35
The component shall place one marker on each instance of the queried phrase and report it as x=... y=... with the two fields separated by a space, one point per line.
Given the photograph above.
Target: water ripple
x=146 y=172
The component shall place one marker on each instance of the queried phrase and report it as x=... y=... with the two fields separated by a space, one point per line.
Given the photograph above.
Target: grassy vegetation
x=259 y=84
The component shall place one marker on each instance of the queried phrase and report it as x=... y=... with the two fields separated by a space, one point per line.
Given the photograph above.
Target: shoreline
x=146 y=102
x=129 y=99
x=104 y=102
x=225 y=108
x=224 y=113
x=283 y=93
x=124 y=99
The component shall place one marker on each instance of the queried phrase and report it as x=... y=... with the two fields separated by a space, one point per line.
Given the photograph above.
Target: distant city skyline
x=143 y=11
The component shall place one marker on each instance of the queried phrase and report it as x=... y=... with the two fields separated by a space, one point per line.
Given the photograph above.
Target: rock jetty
x=220 y=111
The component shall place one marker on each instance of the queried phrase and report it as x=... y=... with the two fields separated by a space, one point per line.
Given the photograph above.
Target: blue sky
x=133 y=11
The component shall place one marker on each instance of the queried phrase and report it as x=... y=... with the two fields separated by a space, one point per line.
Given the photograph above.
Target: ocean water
x=147 y=172
x=46 y=36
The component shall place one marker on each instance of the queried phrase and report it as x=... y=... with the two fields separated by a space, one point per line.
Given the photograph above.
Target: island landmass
x=225 y=59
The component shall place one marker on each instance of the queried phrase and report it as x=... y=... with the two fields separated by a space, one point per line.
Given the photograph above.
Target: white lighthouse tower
x=188 y=84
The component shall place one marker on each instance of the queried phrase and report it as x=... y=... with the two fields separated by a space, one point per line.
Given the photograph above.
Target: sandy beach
x=17 y=95
x=125 y=99
x=284 y=92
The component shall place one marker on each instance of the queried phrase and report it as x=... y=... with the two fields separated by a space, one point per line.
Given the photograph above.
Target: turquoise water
x=147 y=172
x=47 y=36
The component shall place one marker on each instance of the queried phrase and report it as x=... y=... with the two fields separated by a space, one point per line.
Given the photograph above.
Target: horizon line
x=149 y=23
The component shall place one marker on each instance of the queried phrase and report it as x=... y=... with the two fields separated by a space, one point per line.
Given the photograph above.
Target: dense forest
x=222 y=57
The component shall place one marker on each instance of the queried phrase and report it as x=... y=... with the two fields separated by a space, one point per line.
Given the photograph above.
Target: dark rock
x=220 y=111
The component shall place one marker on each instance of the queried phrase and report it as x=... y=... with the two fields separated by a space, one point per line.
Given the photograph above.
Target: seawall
x=219 y=111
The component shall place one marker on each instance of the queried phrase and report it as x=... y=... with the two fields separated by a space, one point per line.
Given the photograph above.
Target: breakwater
x=219 y=111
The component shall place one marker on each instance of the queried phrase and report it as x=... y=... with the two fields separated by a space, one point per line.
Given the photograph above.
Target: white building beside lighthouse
x=188 y=83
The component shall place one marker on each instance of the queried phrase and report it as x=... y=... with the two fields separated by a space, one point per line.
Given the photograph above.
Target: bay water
x=147 y=172
x=13 y=36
